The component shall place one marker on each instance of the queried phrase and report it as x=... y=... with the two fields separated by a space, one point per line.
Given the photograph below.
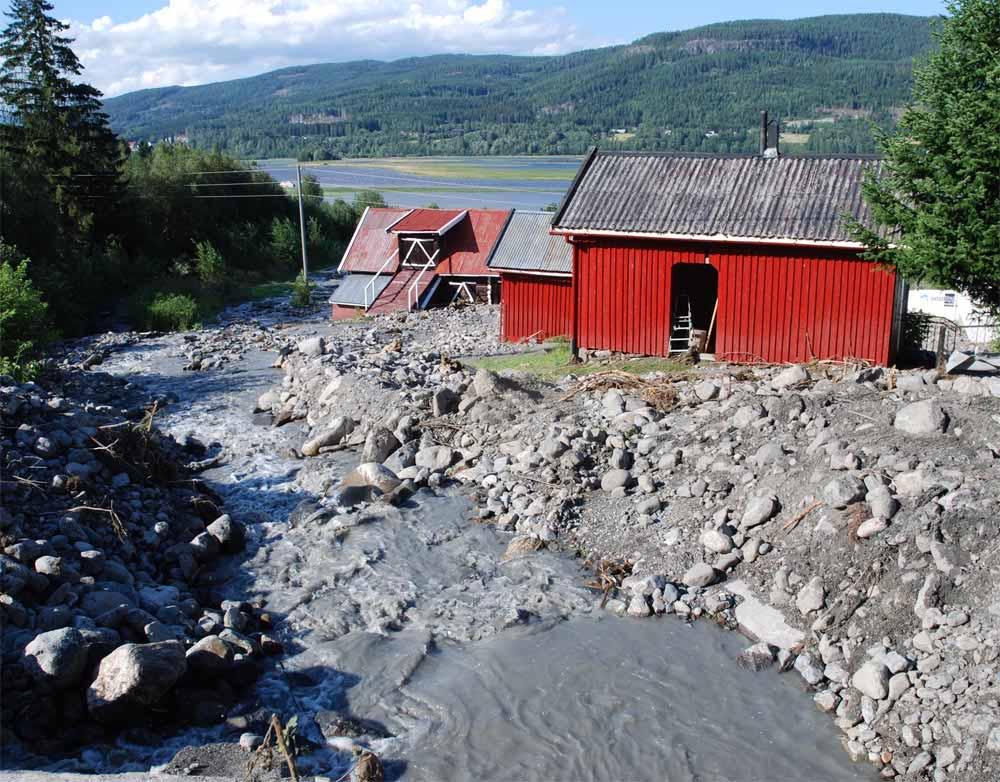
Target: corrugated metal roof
x=427 y=220
x=371 y=244
x=351 y=291
x=527 y=245
x=725 y=196
x=469 y=244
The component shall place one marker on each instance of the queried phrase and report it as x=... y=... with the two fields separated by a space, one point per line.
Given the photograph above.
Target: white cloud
x=198 y=41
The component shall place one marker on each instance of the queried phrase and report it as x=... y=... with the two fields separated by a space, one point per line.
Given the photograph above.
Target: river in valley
x=462 y=665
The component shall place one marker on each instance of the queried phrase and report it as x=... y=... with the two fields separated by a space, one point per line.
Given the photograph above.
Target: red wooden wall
x=535 y=306
x=776 y=304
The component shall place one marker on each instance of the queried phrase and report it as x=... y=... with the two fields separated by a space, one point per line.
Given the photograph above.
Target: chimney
x=763 y=133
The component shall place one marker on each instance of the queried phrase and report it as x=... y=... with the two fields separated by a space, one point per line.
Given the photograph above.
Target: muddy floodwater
x=466 y=667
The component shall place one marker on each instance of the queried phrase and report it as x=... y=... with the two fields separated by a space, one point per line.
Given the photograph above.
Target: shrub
x=301 y=291
x=916 y=330
x=171 y=312
x=209 y=264
x=24 y=328
x=285 y=241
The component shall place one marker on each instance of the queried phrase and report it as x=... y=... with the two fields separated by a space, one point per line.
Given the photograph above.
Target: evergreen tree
x=57 y=136
x=937 y=197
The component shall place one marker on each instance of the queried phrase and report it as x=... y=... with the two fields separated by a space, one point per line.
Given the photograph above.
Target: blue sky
x=132 y=44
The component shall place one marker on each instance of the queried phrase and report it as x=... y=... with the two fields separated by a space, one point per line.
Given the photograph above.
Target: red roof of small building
x=433 y=221
x=372 y=242
x=465 y=250
x=470 y=243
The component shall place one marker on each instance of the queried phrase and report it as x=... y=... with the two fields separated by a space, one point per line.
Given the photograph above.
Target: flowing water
x=478 y=669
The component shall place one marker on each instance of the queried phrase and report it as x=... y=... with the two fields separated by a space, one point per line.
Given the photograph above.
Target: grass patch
x=795 y=138
x=556 y=363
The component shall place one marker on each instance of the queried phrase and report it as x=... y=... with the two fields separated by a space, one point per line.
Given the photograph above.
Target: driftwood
x=793 y=522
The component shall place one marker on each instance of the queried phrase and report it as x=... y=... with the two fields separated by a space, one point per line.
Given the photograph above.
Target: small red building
x=404 y=259
x=748 y=256
x=535 y=281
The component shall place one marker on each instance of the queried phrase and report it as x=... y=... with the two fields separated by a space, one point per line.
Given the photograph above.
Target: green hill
x=828 y=78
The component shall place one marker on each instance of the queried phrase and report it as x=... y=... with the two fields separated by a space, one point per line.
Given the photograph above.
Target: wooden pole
x=711 y=324
x=302 y=227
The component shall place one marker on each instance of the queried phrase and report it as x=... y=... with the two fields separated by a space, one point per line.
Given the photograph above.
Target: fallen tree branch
x=793 y=522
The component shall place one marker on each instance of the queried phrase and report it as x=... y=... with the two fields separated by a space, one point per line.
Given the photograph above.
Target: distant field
x=500 y=168
x=795 y=138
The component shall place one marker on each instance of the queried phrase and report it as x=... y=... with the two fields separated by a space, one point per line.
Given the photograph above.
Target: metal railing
x=373 y=280
x=413 y=293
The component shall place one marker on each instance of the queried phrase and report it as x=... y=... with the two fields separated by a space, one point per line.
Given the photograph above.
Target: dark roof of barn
x=351 y=291
x=798 y=198
x=527 y=245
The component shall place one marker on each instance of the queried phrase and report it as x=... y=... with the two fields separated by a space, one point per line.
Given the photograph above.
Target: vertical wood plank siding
x=776 y=304
x=535 y=307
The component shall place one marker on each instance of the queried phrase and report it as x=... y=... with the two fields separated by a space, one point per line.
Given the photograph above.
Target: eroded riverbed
x=462 y=665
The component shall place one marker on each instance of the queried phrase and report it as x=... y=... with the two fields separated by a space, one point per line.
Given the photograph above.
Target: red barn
x=748 y=256
x=404 y=259
x=535 y=268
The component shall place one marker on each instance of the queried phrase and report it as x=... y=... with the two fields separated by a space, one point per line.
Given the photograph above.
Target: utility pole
x=302 y=227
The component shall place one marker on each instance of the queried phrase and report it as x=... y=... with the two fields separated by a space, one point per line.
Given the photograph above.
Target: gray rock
x=133 y=678
x=929 y=595
x=486 y=384
x=230 y=534
x=312 y=347
x=701 y=575
x=339 y=428
x=359 y=482
x=616 y=479
x=812 y=597
x=758 y=657
x=871 y=527
x=872 y=679
x=841 y=492
x=791 y=376
x=56 y=658
x=379 y=445
x=436 y=458
x=211 y=656
x=717 y=541
x=444 y=401
x=808 y=669
x=759 y=510
x=882 y=503
x=706 y=390
x=919 y=418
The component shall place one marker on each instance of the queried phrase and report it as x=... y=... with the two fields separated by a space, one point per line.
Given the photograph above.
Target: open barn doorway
x=694 y=291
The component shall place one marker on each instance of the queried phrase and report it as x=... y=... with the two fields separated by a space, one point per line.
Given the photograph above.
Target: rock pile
x=846 y=516
x=108 y=607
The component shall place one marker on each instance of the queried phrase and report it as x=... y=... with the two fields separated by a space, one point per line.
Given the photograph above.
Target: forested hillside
x=828 y=77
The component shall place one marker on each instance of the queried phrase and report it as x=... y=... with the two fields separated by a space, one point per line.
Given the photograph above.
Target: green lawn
x=555 y=364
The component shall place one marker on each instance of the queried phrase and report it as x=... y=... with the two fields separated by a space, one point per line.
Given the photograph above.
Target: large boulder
x=872 y=679
x=791 y=376
x=312 y=346
x=380 y=444
x=211 y=656
x=56 y=658
x=133 y=678
x=926 y=417
x=339 y=428
x=230 y=534
x=486 y=384
x=365 y=481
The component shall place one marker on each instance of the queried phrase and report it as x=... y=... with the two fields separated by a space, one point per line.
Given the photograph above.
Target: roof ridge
x=737 y=155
